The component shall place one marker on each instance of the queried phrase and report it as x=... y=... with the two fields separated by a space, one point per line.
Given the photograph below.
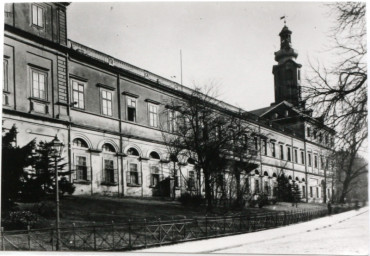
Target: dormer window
x=286 y=113
x=38 y=15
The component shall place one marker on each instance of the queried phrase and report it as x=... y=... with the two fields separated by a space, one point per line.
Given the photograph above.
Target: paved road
x=349 y=237
x=341 y=234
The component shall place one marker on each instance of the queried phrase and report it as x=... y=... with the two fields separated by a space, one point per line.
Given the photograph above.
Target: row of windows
x=315 y=134
x=294 y=157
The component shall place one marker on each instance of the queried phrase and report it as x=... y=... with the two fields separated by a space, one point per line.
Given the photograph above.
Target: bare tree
x=339 y=94
x=203 y=130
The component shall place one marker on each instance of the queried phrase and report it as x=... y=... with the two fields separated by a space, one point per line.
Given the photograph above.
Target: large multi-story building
x=106 y=112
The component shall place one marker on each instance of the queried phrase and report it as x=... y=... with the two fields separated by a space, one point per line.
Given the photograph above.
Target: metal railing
x=141 y=234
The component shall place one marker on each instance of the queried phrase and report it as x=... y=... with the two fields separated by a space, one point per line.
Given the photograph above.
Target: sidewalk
x=224 y=243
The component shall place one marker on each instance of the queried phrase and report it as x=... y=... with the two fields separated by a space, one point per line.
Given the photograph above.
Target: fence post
x=113 y=245
x=145 y=229
x=74 y=235
x=29 y=237
x=240 y=222
x=2 y=239
x=184 y=228
x=173 y=229
x=224 y=223
x=129 y=233
x=206 y=226
x=284 y=221
x=94 y=233
x=160 y=231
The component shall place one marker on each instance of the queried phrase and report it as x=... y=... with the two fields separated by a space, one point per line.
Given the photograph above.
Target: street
x=341 y=234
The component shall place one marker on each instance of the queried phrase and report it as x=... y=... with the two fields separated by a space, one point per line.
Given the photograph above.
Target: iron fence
x=141 y=234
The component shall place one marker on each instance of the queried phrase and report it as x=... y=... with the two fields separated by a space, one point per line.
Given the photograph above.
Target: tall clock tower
x=287 y=73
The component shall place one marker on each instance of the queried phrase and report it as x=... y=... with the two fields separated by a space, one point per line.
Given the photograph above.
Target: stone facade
x=103 y=109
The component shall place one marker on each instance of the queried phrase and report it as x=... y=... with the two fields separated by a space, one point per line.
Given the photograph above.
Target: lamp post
x=56 y=150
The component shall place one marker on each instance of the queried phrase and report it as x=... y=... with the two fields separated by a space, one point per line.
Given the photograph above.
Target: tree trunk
x=208 y=191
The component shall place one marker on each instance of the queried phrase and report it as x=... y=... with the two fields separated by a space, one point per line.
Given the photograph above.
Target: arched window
x=108 y=148
x=154 y=155
x=265 y=174
x=132 y=152
x=303 y=180
x=296 y=178
x=290 y=177
x=256 y=172
x=79 y=143
x=274 y=175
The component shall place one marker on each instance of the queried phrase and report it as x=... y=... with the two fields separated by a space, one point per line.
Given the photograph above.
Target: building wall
x=57 y=114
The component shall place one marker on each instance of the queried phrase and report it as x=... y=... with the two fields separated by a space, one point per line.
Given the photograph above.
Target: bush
x=46 y=209
x=262 y=200
x=20 y=220
x=66 y=187
x=191 y=200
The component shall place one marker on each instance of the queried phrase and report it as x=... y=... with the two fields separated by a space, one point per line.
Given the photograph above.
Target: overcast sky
x=230 y=44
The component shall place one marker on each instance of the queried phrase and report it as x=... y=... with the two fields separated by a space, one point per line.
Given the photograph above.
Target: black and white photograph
x=198 y=128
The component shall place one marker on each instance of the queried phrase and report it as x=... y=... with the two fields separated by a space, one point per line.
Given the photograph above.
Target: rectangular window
x=308 y=132
x=282 y=152
x=153 y=115
x=109 y=171
x=266 y=187
x=303 y=191
x=309 y=160
x=256 y=186
x=106 y=102
x=289 y=154
x=172 y=122
x=78 y=94
x=131 y=109
x=311 y=192
x=295 y=155
x=302 y=157
x=81 y=168
x=315 y=161
x=133 y=175
x=322 y=163
x=5 y=75
x=273 y=149
x=264 y=147
x=176 y=178
x=37 y=15
x=317 y=192
x=39 y=84
x=155 y=176
x=326 y=139
x=255 y=143
x=314 y=134
x=320 y=137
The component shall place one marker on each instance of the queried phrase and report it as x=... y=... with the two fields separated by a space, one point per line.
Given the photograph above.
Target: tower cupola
x=287 y=74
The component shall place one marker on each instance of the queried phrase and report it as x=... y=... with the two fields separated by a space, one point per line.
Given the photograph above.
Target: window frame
x=309 y=159
x=43 y=9
x=39 y=72
x=5 y=75
x=79 y=82
x=112 y=170
x=289 y=153
x=273 y=153
x=102 y=99
x=281 y=152
x=129 y=101
x=295 y=156
x=78 y=177
x=155 y=123
x=137 y=173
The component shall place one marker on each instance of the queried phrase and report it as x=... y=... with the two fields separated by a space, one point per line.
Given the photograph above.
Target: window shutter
x=46 y=109
x=128 y=177
x=139 y=178
x=88 y=175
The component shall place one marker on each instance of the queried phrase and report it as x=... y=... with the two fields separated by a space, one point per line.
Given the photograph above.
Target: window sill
x=6 y=92
x=133 y=185
x=39 y=100
x=86 y=182
x=109 y=183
